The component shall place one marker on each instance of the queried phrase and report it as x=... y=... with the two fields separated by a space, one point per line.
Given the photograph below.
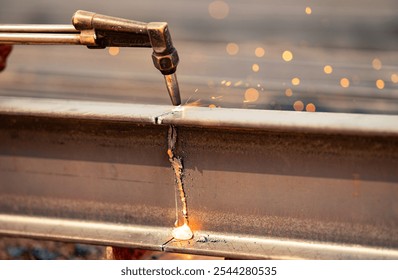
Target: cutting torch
x=100 y=31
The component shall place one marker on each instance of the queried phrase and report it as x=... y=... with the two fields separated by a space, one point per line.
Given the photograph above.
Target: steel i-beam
x=259 y=184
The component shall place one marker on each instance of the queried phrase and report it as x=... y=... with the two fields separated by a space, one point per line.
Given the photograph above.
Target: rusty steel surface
x=272 y=185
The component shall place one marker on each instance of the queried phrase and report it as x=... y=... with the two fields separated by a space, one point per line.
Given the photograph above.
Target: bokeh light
x=288 y=92
x=295 y=81
x=232 y=48
x=218 y=9
x=394 y=78
x=310 y=107
x=345 y=83
x=328 y=69
x=376 y=64
x=287 y=56
x=308 y=10
x=113 y=51
x=298 y=105
x=251 y=95
x=255 y=67
x=259 y=52
x=380 y=84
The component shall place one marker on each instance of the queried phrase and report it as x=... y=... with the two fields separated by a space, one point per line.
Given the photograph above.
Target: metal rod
x=173 y=89
x=40 y=39
x=38 y=28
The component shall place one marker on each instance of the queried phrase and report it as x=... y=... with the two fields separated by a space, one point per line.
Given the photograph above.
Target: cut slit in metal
x=182 y=232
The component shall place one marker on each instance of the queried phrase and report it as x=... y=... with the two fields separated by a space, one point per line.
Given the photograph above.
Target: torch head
x=117 y=32
x=165 y=57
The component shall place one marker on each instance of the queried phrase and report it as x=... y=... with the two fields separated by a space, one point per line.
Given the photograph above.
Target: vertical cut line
x=182 y=232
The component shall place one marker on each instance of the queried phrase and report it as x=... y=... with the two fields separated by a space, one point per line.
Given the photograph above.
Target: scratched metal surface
x=251 y=193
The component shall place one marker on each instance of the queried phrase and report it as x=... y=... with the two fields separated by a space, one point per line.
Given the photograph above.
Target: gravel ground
x=30 y=249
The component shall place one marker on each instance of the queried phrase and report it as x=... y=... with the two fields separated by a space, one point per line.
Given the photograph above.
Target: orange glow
x=310 y=107
x=113 y=51
x=345 y=83
x=308 y=10
x=295 y=81
x=288 y=92
x=183 y=232
x=228 y=83
x=380 y=84
x=232 y=48
x=212 y=106
x=298 y=105
x=287 y=56
x=259 y=52
x=195 y=103
x=251 y=95
x=255 y=67
x=328 y=69
x=238 y=83
x=218 y=9
x=394 y=78
x=376 y=64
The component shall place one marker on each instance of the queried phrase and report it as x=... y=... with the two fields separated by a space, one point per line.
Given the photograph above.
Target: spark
x=232 y=48
x=345 y=83
x=251 y=95
x=298 y=105
x=238 y=83
x=288 y=92
x=328 y=69
x=195 y=103
x=114 y=51
x=295 y=81
x=259 y=52
x=380 y=84
x=310 y=107
x=255 y=67
x=394 y=78
x=376 y=64
x=287 y=56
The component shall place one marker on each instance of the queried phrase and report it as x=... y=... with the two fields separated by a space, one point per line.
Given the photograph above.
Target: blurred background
x=303 y=55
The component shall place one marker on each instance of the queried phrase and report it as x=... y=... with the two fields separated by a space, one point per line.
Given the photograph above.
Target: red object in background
x=4 y=52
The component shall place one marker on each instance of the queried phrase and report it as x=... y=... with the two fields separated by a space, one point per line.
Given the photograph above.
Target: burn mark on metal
x=207 y=238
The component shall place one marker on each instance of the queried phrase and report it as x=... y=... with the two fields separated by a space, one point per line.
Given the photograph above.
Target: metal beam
x=259 y=184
